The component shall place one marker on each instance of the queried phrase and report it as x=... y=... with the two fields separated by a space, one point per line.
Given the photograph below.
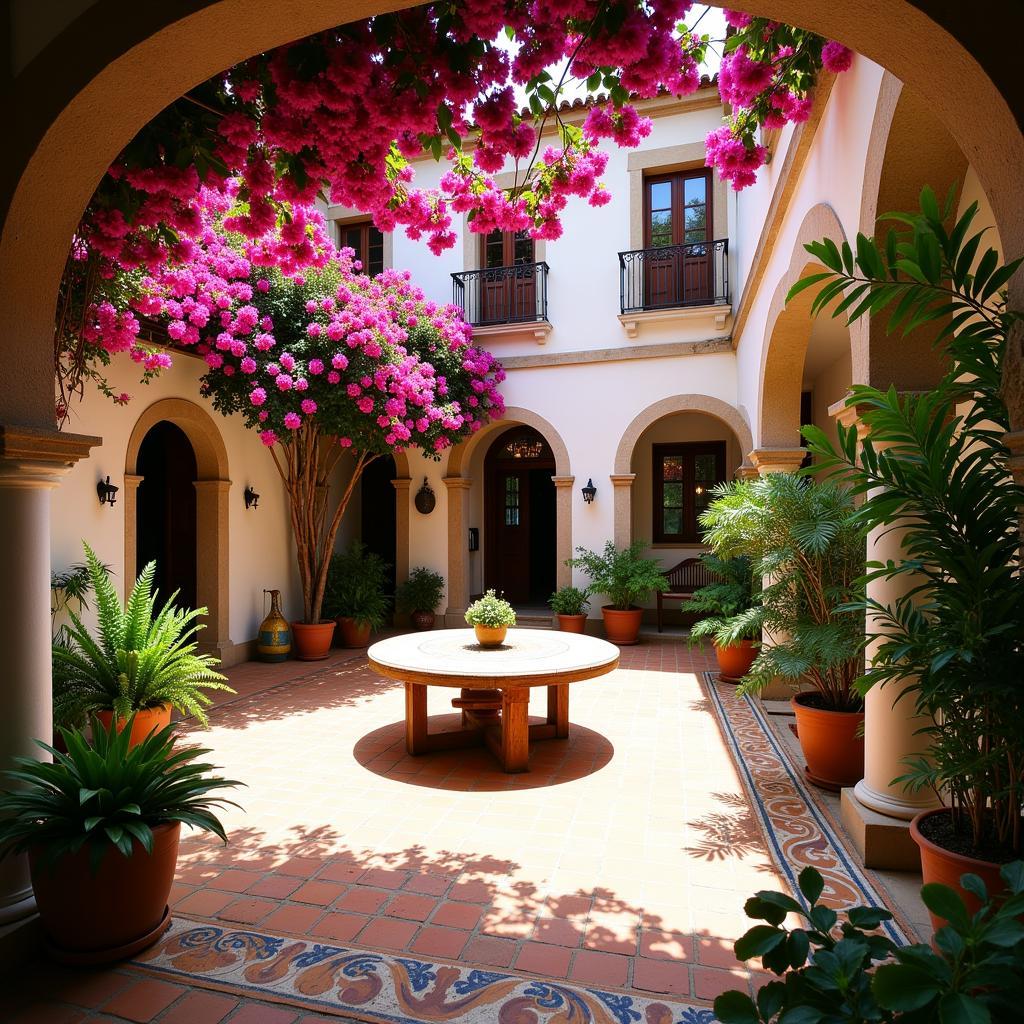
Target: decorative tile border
x=797 y=830
x=382 y=988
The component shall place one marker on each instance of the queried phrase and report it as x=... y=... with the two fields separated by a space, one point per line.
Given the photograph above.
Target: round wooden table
x=495 y=684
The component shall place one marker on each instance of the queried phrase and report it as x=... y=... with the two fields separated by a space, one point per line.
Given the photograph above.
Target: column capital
x=849 y=414
x=746 y=472
x=563 y=481
x=457 y=483
x=402 y=483
x=622 y=479
x=217 y=486
x=32 y=444
x=777 y=460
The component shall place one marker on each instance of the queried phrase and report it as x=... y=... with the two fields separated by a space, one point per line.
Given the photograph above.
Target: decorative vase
x=490 y=636
x=572 y=623
x=146 y=721
x=353 y=633
x=832 y=742
x=423 y=620
x=622 y=627
x=735 y=660
x=274 y=640
x=313 y=639
x=97 y=917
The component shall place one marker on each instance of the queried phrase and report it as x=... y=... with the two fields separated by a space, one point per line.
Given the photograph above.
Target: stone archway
x=212 y=485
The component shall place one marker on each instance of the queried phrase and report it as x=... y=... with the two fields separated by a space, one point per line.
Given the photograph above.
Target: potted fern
x=142 y=663
x=490 y=618
x=732 y=614
x=570 y=604
x=627 y=578
x=355 y=593
x=101 y=825
x=419 y=595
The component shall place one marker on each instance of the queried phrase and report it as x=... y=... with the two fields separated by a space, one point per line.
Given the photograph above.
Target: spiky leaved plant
x=140 y=658
x=107 y=794
x=731 y=604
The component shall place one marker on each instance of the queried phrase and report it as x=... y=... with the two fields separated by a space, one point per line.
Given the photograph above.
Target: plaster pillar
x=130 y=497
x=31 y=464
x=401 y=486
x=212 y=564
x=458 y=563
x=563 y=529
x=774 y=460
x=622 y=483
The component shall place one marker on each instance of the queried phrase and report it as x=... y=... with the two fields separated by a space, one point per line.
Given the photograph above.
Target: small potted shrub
x=141 y=664
x=419 y=595
x=732 y=615
x=355 y=593
x=490 y=618
x=626 y=578
x=101 y=826
x=570 y=604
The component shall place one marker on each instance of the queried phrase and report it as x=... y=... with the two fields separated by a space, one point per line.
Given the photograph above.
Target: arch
x=462 y=453
x=212 y=486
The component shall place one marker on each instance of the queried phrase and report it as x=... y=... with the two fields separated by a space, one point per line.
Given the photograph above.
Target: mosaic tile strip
x=796 y=829
x=382 y=988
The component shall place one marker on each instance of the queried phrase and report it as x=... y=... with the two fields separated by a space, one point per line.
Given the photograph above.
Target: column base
x=882 y=841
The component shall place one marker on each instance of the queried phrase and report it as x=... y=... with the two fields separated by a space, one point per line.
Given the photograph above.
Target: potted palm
x=419 y=595
x=626 y=578
x=142 y=664
x=101 y=826
x=804 y=540
x=490 y=618
x=732 y=614
x=570 y=604
x=355 y=593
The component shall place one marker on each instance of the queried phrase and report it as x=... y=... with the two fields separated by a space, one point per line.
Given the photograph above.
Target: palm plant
x=935 y=465
x=804 y=542
x=621 y=573
x=141 y=657
x=107 y=794
x=731 y=604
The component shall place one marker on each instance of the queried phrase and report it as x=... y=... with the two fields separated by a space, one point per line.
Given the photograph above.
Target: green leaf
x=759 y=940
x=944 y=902
x=960 y=1008
x=903 y=987
x=736 y=1008
x=811 y=884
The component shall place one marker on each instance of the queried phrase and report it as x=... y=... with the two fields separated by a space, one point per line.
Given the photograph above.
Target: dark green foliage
x=356 y=582
x=421 y=592
x=621 y=573
x=570 y=601
x=731 y=605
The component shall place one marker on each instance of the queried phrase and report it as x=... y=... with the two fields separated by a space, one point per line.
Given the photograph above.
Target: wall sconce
x=425 y=500
x=107 y=492
x=589 y=492
x=252 y=499
x=474 y=538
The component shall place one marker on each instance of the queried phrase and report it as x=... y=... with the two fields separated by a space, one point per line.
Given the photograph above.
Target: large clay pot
x=945 y=866
x=490 y=636
x=622 y=628
x=423 y=620
x=735 y=660
x=572 y=623
x=96 y=918
x=313 y=639
x=274 y=639
x=146 y=721
x=353 y=633
x=832 y=742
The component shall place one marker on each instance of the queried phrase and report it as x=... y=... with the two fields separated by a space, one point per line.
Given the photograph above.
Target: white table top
x=452 y=657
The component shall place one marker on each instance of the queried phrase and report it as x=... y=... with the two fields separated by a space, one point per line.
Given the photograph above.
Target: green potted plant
x=142 y=662
x=850 y=972
x=570 y=604
x=490 y=618
x=626 y=578
x=419 y=595
x=355 y=593
x=804 y=540
x=935 y=465
x=100 y=825
x=732 y=614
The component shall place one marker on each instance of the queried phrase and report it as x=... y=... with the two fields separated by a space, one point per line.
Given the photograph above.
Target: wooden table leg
x=415 y=718
x=558 y=709
x=515 y=729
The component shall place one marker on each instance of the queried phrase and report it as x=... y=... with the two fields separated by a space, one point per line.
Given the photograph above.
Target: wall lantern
x=425 y=500
x=107 y=492
x=252 y=499
x=589 y=492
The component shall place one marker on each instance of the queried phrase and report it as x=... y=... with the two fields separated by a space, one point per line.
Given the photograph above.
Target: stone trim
x=777 y=460
x=37 y=445
x=719 y=313
x=536 y=329
x=669 y=350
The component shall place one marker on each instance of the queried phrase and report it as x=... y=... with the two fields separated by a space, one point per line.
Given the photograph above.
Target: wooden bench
x=683 y=580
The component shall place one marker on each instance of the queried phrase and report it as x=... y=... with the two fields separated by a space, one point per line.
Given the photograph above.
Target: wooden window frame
x=508 y=250
x=677 y=179
x=363 y=253
x=689 y=450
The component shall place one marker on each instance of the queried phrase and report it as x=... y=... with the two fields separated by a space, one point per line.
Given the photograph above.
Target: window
x=368 y=243
x=506 y=249
x=677 y=209
x=684 y=475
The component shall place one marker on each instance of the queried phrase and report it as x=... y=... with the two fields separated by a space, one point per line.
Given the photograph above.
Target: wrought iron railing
x=503 y=295
x=671 y=276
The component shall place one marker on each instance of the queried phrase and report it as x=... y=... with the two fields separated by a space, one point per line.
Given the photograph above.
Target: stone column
x=31 y=464
x=401 y=486
x=563 y=528
x=213 y=565
x=130 y=497
x=622 y=532
x=458 y=566
x=746 y=472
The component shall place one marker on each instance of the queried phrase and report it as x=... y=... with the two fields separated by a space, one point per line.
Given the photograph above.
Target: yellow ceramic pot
x=490 y=636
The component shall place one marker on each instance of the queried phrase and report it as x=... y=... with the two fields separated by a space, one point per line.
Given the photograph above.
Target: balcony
x=674 y=282
x=505 y=300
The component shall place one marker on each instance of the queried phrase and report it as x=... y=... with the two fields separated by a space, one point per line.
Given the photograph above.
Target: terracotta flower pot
x=112 y=914
x=622 y=627
x=423 y=620
x=353 y=633
x=490 y=636
x=572 y=623
x=945 y=866
x=735 y=660
x=146 y=721
x=313 y=639
x=830 y=742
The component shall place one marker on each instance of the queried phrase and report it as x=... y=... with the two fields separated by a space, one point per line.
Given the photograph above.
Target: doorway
x=378 y=509
x=520 y=517
x=165 y=512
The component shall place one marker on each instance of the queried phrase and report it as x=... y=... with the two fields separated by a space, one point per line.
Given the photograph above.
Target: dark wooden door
x=379 y=513
x=508 y=289
x=677 y=212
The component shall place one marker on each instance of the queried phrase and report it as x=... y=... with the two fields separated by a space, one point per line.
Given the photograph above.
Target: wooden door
x=508 y=291
x=677 y=212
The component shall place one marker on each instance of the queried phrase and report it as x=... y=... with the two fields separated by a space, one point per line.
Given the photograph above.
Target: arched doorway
x=520 y=517
x=379 y=512
x=165 y=512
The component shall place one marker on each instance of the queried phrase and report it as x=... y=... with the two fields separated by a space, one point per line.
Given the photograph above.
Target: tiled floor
x=622 y=859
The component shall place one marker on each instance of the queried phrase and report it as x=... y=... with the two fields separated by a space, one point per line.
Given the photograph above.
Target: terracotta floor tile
x=143 y=1000
x=458 y=915
x=388 y=933
x=48 y=1013
x=444 y=942
x=411 y=906
x=316 y=892
x=277 y=887
x=384 y=878
x=714 y=952
x=472 y=892
x=298 y=920
x=661 y=945
x=205 y=902
x=302 y=867
x=340 y=927
x=235 y=880
x=597 y=968
x=262 y=1013
x=428 y=884
x=661 y=976
x=544 y=959
x=490 y=951
x=340 y=871
x=200 y=1008
x=362 y=901
x=710 y=982
x=247 y=911
x=558 y=931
